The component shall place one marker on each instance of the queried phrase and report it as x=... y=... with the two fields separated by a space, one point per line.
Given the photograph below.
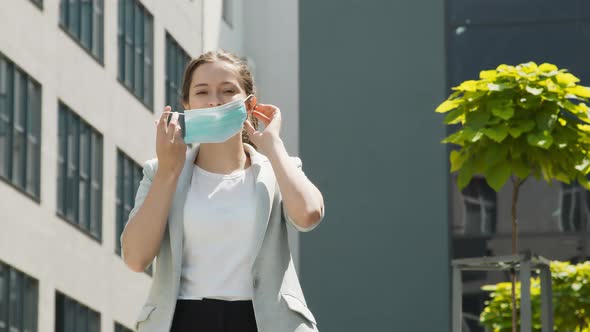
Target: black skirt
x=211 y=315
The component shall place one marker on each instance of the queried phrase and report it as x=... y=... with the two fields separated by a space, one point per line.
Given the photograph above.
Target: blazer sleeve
x=299 y=165
x=142 y=191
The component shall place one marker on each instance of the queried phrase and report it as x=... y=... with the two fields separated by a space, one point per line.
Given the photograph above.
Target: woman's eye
x=201 y=92
x=229 y=91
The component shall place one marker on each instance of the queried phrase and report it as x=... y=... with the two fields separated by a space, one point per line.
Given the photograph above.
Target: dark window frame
x=29 y=127
x=173 y=78
x=26 y=297
x=37 y=3
x=135 y=47
x=96 y=25
x=67 y=313
x=70 y=178
x=227 y=12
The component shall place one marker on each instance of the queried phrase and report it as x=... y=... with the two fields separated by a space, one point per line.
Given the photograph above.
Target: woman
x=211 y=214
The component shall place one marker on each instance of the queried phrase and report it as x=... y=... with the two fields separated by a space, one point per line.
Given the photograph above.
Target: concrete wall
x=371 y=74
x=32 y=238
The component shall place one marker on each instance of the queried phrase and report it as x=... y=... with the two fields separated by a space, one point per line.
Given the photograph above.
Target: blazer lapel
x=264 y=191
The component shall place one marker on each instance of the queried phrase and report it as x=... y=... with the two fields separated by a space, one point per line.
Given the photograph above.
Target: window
x=121 y=328
x=479 y=208
x=227 y=12
x=79 y=178
x=38 y=3
x=176 y=61
x=574 y=208
x=83 y=21
x=72 y=316
x=19 y=298
x=136 y=50
x=20 y=129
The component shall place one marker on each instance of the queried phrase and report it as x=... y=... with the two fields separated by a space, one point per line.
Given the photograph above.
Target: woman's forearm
x=301 y=198
x=143 y=233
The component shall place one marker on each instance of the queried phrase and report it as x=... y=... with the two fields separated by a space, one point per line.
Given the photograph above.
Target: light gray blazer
x=279 y=305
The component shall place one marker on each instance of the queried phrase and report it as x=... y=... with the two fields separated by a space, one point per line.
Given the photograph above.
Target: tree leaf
x=457 y=159
x=546 y=119
x=505 y=113
x=496 y=153
x=534 y=91
x=497 y=133
x=580 y=91
x=497 y=176
x=455 y=116
x=447 y=105
x=541 y=140
x=477 y=119
x=566 y=79
x=520 y=168
x=465 y=175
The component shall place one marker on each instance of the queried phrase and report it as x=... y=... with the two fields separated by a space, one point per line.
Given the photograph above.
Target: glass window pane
x=5 y=111
x=148 y=81
x=16 y=300
x=98 y=30
x=227 y=13
x=18 y=144
x=69 y=315
x=119 y=201
x=129 y=33
x=3 y=296
x=139 y=45
x=63 y=12
x=81 y=318
x=59 y=312
x=74 y=18
x=86 y=23
x=84 y=181
x=61 y=160
x=33 y=134
x=93 y=321
x=31 y=305
x=121 y=40
x=72 y=175
x=96 y=191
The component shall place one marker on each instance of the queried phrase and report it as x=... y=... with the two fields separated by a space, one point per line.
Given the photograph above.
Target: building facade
x=81 y=83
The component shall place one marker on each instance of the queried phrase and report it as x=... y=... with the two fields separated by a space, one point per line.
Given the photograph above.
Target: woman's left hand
x=270 y=116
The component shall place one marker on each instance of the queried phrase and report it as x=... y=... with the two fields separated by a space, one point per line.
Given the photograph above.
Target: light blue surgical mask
x=215 y=124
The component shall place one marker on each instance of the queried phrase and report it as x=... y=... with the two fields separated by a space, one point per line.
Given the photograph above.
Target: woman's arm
x=302 y=201
x=143 y=233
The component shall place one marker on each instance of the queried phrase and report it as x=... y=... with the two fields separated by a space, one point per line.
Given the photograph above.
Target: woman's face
x=213 y=84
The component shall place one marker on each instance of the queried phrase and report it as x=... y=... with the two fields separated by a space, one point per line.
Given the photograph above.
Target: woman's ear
x=252 y=102
x=185 y=106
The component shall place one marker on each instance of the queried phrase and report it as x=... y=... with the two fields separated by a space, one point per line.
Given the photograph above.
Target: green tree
x=519 y=121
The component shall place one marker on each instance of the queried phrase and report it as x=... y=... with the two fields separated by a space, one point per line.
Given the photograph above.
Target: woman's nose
x=215 y=101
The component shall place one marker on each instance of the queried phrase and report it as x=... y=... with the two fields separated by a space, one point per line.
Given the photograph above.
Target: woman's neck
x=223 y=158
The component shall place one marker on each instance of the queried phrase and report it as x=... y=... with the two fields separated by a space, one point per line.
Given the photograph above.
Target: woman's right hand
x=170 y=146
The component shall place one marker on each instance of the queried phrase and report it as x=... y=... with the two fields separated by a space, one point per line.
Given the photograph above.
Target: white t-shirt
x=219 y=225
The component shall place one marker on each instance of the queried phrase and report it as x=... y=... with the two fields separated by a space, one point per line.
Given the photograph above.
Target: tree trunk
x=515 y=190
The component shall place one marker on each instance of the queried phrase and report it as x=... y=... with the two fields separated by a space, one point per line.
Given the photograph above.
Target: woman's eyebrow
x=205 y=84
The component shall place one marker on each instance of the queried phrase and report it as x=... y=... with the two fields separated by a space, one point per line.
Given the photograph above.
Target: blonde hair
x=244 y=77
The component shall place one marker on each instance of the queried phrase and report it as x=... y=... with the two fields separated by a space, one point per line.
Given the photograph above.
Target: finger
x=266 y=120
x=162 y=123
x=173 y=125
x=250 y=130
x=178 y=135
x=269 y=110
